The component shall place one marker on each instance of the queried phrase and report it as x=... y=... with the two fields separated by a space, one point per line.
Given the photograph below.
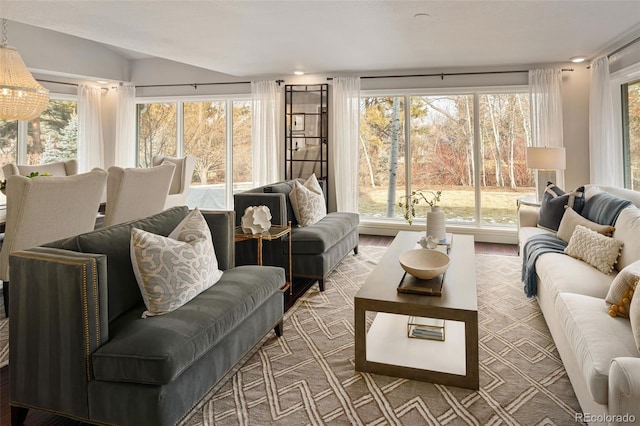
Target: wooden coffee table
x=385 y=348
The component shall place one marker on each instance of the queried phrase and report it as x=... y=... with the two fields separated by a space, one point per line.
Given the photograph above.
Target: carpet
x=308 y=377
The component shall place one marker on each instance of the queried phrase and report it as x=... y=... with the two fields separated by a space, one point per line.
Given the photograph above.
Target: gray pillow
x=553 y=204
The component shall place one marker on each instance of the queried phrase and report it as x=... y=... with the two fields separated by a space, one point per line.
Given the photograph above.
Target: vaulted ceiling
x=245 y=38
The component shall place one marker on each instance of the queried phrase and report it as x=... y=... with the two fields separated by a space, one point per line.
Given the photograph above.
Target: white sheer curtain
x=265 y=132
x=90 y=145
x=126 y=125
x=545 y=94
x=605 y=149
x=344 y=142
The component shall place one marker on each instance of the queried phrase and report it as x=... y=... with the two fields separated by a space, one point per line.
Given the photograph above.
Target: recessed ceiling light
x=101 y=81
x=298 y=72
x=578 y=59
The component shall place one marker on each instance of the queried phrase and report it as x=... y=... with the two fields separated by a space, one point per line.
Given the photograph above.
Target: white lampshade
x=546 y=158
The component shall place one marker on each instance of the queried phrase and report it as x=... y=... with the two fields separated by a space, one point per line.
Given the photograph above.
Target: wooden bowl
x=424 y=263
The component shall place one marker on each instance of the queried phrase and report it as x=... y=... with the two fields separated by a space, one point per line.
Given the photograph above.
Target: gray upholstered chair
x=134 y=193
x=62 y=168
x=45 y=209
x=181 y=178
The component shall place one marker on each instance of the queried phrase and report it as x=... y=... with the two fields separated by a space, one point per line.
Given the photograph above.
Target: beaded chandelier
x=21 y=97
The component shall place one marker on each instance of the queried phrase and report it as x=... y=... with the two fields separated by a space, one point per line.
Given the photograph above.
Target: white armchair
x=181 y=178
x=45 y=209
x=134 y=193
x=62 y=168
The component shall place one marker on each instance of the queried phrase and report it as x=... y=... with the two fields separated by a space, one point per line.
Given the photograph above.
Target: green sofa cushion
x=321 y=236
x=113 y=241
x=156 y=350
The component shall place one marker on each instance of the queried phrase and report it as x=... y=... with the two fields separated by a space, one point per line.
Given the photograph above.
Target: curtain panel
x=125 y=150
x=90 y=144
x=266 y=101
x=605 y=147
x=545 y=95
x=343 y=154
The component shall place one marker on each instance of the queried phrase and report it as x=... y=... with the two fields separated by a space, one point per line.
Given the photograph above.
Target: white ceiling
x=245 y=38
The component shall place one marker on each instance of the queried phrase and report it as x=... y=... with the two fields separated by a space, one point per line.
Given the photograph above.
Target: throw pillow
x=628 y=231
x=634 y=317
x=172 y=270
x=308 y=202
x=619 y=297
x=571 y=219
x=597 y=250
x=553 y=203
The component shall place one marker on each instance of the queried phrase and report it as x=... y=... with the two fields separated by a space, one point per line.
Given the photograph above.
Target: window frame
x=180 y=101
x=618 y=80
x=475 y=92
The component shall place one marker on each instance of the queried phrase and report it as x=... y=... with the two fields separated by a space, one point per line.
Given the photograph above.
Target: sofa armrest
x=59 y=317
x=624 y=388
x=276 y=202
x=222 y=226
x=528 y=217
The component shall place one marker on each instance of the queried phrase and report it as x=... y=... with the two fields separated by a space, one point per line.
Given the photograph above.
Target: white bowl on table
x=424 y=263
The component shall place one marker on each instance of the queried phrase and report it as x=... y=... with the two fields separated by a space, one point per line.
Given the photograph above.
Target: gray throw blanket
x=604 y=208
x=533 y=248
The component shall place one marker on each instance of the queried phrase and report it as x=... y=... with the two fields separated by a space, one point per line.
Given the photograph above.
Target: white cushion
x=634 y=315
x=597 y=250
x=571 y=219
x=307 y=201
x=595 y=339
x=619 y=297
x=628 y=231
x=172 y=270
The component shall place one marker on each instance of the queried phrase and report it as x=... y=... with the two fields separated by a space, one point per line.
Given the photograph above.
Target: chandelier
x=21 y=97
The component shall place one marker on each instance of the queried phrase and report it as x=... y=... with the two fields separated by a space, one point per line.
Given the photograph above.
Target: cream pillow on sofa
x=308 y=202
x=597 y=250
x=172 y=270
x=634 y=316
x=619 y=297
x=571 y=219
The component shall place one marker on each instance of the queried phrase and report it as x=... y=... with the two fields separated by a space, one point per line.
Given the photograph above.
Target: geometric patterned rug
x=307 y=377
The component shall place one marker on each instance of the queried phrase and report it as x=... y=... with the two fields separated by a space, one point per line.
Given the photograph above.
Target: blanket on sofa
x=604 y=208
x=534 y=247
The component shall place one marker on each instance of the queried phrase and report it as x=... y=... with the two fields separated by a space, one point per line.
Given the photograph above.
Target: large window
x=480 y=169
x=631 y=133
x=51 y=137
x=217 y=132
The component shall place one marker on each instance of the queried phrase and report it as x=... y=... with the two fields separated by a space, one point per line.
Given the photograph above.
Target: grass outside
x=457 y=202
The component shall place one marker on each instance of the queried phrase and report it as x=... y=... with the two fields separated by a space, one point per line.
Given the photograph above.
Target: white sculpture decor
x=256 y=220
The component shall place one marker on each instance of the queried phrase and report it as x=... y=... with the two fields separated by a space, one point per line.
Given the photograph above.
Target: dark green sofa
x=316 y=249
x=78 y=344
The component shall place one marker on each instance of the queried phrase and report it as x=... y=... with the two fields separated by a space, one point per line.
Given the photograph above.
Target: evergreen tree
x=66 y=146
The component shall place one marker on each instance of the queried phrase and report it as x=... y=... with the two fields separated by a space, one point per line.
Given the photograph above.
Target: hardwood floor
x=39 y=418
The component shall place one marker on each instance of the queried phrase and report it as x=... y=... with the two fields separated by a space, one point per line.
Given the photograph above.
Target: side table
x=274 y=233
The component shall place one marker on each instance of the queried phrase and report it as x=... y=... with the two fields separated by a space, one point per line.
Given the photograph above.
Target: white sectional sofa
x=599 y=352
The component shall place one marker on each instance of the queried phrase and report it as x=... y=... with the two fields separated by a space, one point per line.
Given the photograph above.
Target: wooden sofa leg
x=355 y=250
x=278 y=329
x=321 y=284
x=18 y=415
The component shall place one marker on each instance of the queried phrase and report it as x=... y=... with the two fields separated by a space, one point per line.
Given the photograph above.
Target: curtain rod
x=195 y=85
x=57 y=82
x=442 y=75
x=621 y=48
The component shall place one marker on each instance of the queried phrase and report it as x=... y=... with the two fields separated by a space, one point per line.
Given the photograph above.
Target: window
x=631 y=133
x=217 y=132
x=480 y=169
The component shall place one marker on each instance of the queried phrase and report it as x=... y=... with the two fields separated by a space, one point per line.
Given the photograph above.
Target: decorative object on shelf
x=424 y=263
x=3 y=183
x=256 y=219
x=426 y=328
x=435 y=217
x=429 y=242
x=21 y=96
x=546 y=160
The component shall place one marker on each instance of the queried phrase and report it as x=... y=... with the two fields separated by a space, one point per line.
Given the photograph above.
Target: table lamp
x=546 y=160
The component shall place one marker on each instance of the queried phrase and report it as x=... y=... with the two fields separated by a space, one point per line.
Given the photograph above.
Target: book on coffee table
x=413 y=285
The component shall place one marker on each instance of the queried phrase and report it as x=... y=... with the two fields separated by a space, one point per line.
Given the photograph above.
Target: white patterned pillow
x=173 y=270
x=597 y=250
x=308 y=201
